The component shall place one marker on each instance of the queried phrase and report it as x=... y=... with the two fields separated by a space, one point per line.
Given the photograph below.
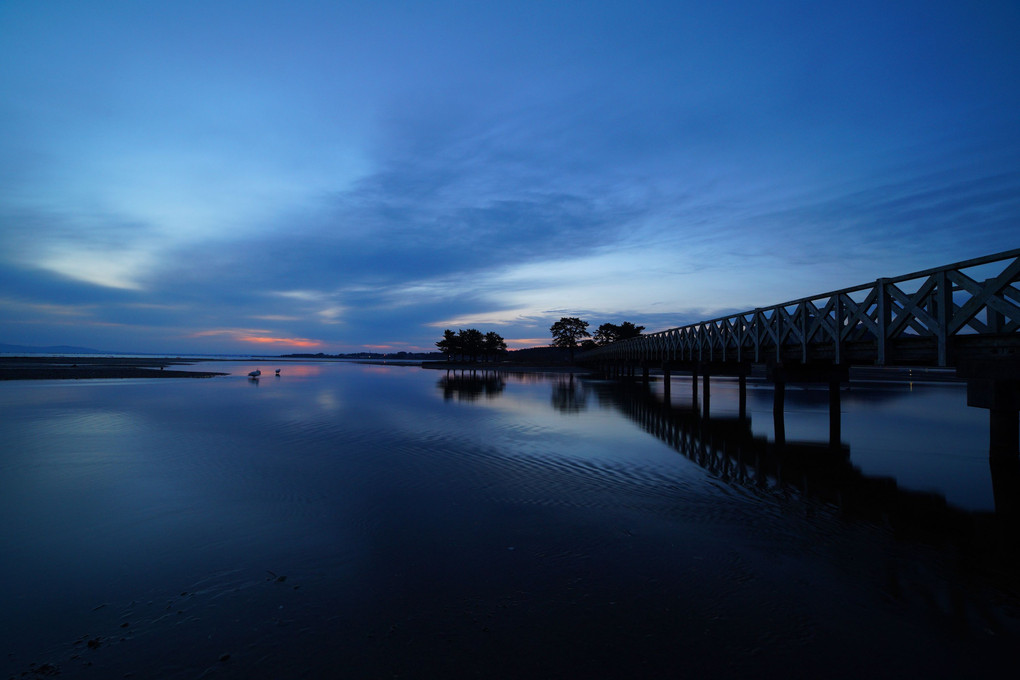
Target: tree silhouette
x=610 y=332
x=472 y=342
x=567 y=331
x=449 y=345
x=493 y=344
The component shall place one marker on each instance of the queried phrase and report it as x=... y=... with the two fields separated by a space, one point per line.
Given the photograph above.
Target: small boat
x=277 y=372
x=256 y=373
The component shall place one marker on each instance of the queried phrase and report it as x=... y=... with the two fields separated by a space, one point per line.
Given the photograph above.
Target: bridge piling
x=995 y=385
x=742 y=381
x=778 y=410
x=1006 y=489
x=1003 y=438
x=835 y=415
x=832 y=374
x=707 y=395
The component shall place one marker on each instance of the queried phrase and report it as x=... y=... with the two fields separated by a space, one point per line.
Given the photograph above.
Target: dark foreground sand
x=82 y=368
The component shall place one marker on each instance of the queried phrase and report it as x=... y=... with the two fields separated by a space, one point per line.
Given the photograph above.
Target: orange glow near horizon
x=526 y=343
x=293 y=342
x=258 y=337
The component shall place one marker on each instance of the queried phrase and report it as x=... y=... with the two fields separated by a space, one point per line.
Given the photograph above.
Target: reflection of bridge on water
x=819 y=471
x=964 y=316
x=823 y=472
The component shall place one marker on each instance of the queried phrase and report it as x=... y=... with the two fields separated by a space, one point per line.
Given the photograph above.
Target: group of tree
x=610 y=332
x=570 y=331
x=470 y=344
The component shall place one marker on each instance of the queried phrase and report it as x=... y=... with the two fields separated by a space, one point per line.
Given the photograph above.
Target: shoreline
x=106 y=367
x=92 y=368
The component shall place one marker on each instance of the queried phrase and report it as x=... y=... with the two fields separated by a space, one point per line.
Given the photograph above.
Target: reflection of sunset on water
x=379 y=370
x=301 y=370
x=286 y=370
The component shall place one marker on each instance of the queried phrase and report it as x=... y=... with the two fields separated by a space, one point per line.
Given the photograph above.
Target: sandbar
x=90 y=368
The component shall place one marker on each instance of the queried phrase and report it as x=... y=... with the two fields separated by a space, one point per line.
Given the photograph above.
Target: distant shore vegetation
x=471 y=344
x=571 y=333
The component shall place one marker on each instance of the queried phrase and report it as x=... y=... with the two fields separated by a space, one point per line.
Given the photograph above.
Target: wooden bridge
x=964 y=316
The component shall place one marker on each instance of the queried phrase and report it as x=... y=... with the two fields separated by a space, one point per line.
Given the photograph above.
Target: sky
x=275 y=177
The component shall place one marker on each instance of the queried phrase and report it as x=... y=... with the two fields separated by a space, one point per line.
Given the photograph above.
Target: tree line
x=469 y=344
x=570 y=332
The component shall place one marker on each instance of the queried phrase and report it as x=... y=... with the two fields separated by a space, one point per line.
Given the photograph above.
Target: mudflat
x=85 y=368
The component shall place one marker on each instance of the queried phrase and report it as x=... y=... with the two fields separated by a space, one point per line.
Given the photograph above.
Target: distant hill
x=52 y=349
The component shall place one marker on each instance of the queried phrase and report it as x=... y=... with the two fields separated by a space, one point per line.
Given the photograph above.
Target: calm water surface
x=375 y=521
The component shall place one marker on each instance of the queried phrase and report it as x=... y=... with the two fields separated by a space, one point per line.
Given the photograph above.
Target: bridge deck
x=948 y=316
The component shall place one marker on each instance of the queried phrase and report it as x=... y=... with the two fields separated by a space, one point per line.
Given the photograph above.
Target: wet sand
x=88 y=368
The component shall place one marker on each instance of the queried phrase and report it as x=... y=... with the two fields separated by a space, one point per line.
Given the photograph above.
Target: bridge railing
x=916 y=317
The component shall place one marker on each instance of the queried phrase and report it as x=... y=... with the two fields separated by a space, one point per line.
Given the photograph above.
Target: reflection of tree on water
x=822 y=473
x=569 y=395
x=470 y=384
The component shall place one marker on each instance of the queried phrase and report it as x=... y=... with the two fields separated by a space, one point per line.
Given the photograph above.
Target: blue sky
x=338 y=176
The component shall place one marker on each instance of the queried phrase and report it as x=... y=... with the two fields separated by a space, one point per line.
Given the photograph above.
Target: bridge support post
x=742 y=381
x=778 y=410
x=665 y=380
x=832 y=374
x=1003 y=437
x=994 y=384
x=1006 y=489
x=707 y=394
x=644 y=372
x=835 y=420
x=694 y=386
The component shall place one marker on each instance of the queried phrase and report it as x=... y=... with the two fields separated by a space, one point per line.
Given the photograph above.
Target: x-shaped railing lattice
x=946 y=302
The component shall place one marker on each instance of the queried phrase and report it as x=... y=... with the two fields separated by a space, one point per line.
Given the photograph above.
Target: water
x=374 y=521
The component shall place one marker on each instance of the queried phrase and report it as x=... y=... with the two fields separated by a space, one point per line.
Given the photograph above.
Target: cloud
x=489 y=166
